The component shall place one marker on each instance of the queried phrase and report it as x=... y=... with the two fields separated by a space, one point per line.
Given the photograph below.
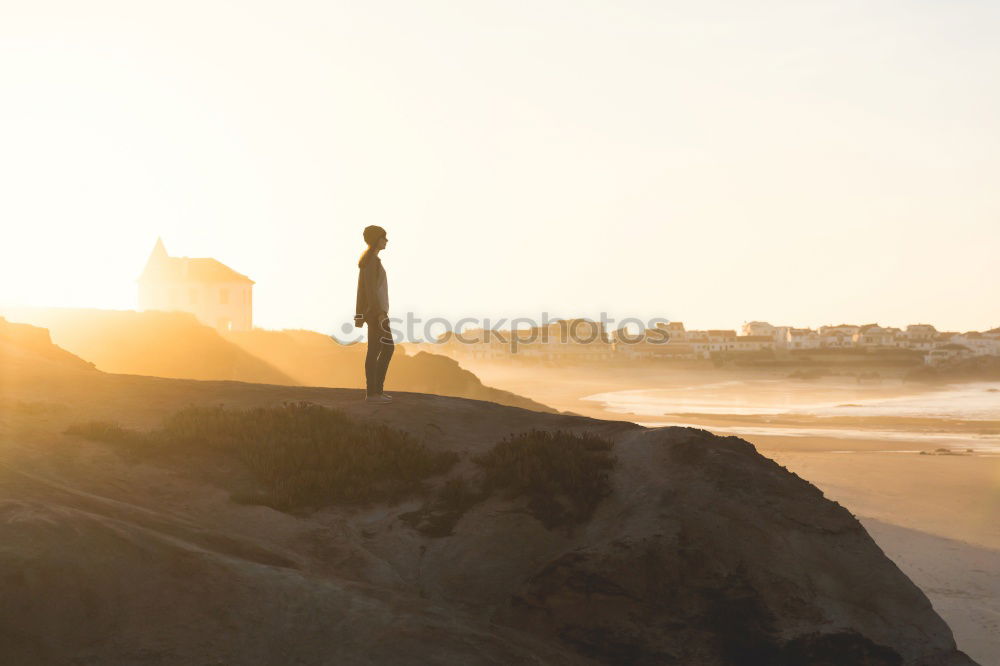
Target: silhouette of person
x=373 y=309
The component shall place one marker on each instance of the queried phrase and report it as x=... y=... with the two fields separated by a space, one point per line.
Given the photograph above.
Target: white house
x=848 y=329
x=675 y=329
x=802 y=338
x=920 y=332
x=835 y=338
x=978 y=343
x=750 y=343
x=918 y=336
x=721 y=340
x=781 y=336
x=700 y=345
x=216 y=294
x=873 y=335
x=756 y=328
x=946 y=352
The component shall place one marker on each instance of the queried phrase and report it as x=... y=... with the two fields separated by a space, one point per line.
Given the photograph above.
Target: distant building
x=848 y=329
x=802 y=338
x=216 y=294
x=978 y=343
x=835 y=338
x=758 y=328
x=918 y=336
x=751 y=343
x=946 y=352
x=700 y=347
x=646 y=349
x=873 y=335
x=721 y=340
x=675 y=329
x=567 y=340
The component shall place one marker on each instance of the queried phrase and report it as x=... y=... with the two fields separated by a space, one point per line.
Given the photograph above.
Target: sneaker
x=379 y=398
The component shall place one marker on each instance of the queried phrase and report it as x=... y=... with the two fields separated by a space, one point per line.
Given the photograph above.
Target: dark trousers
x=380 y=348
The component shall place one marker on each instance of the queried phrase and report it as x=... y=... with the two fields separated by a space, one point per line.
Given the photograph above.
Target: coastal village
x=585 y=340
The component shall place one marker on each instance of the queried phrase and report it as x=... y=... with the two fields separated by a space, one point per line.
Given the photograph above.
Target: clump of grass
x=105 y=431
x=299 y=454
x=563 y=475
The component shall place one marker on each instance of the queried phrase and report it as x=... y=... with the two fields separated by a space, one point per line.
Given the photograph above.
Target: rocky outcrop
x=720 y=556
x=29 y=348
x=703 y=553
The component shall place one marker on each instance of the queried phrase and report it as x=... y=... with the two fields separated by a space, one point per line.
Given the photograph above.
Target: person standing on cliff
x=373 y=309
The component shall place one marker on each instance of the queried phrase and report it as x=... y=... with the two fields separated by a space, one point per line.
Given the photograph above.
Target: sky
x=715 y=162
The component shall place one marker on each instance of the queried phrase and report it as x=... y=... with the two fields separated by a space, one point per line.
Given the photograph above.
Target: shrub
x=563 y=475
x=104 y=431
x=299 y=454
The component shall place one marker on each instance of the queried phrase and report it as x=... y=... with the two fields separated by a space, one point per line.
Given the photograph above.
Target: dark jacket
x=373 y=290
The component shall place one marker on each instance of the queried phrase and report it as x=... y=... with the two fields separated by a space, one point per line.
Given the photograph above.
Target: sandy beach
x=935 y=516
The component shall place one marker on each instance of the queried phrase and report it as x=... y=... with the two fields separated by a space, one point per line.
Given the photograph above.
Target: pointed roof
x=157 y=259
x=161 y=267
x=159 y=250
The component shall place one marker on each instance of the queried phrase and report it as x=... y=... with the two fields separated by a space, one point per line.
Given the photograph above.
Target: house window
x=193 y=295
x=223 y=296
